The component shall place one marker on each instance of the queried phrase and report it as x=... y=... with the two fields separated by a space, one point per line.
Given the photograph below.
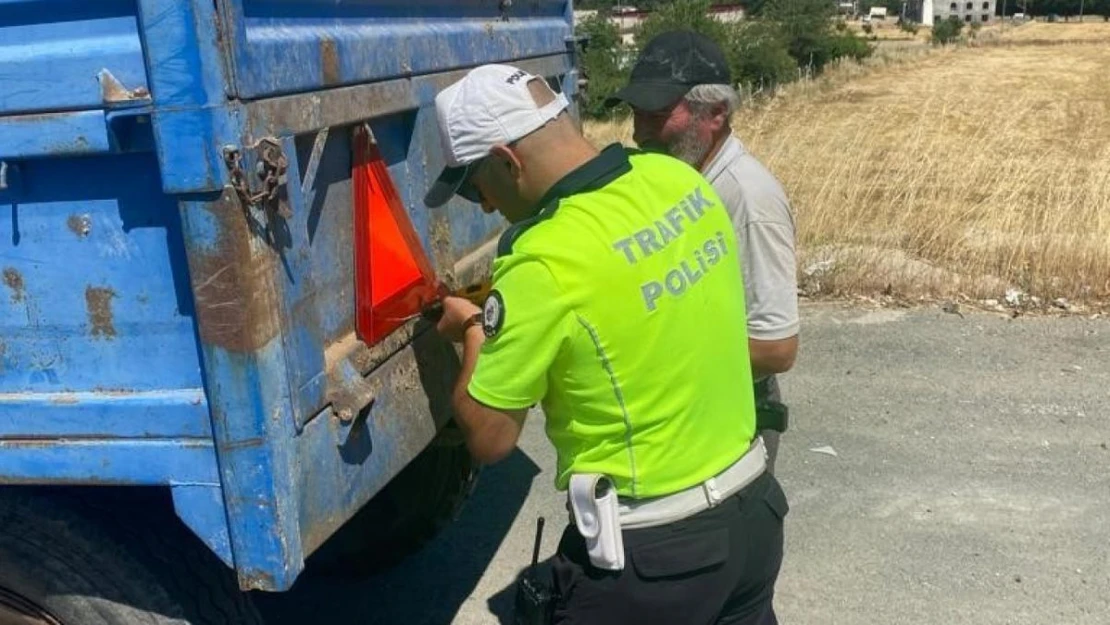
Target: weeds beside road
x=961 y=173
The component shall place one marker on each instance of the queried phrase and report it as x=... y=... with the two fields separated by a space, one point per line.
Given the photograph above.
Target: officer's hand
x=458 y=313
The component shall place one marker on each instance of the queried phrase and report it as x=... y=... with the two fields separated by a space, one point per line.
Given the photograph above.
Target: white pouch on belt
x=594 y=502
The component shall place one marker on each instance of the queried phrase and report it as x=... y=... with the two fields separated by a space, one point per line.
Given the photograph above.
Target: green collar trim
x=610 y=164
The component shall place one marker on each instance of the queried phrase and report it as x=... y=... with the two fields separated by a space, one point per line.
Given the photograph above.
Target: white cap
x=490 y=106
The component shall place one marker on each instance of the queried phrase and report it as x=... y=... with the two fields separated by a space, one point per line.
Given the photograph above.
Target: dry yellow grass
x=965 y=172
x=1092 y=31
x=886 y=30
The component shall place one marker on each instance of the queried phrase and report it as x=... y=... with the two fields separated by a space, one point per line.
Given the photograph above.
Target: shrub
x=849 y=46
x=909 y=26
x=947 y=31
x=762 y=53
x=868 y=28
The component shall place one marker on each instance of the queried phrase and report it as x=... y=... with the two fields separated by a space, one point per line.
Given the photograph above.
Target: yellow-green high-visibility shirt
x=620 y=307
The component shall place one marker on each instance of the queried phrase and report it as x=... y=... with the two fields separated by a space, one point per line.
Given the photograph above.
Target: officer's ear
x=505 y=159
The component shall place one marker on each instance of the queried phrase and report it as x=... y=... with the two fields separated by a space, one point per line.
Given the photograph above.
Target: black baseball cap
x=668 y=66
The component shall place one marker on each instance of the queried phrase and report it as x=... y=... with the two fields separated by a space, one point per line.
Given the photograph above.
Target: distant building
x=921 y=11
x=628 y=18
x=967 y=11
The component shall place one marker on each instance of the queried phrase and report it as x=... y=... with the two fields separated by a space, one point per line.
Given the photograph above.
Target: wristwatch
x=477 y=319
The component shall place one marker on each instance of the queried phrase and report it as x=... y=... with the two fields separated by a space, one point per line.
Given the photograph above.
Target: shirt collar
x=730 y=150
x=607 y=166
x=610 y=164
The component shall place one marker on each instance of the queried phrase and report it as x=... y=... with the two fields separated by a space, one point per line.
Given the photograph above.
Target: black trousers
x=718 y=566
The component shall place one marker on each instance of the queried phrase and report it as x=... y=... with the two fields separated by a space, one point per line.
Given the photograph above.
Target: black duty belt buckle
x=535 y=602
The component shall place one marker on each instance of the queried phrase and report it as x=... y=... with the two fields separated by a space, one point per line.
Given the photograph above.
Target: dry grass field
x=961 y=173
x=885 y=30
x=1093 y=29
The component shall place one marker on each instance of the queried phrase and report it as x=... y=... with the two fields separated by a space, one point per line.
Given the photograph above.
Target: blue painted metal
x=53 y=134
x=284 y=47
x=108 y=461
x=94 y=288
x=52 y=51
x=193 y=120
x=201 y=507
x=357 y=459
x=154 y=329
x=102 y=414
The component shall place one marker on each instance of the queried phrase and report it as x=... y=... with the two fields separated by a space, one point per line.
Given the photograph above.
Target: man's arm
x=771 y=357
x=771 y=297
x=491 y=434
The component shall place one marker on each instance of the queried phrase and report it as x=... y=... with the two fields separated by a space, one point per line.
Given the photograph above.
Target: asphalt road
x=970 y=485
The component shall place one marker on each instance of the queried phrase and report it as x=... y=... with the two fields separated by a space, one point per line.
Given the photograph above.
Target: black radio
x=535 y=601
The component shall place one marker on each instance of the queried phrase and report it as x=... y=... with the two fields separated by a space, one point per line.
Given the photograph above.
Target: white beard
x=690 y=149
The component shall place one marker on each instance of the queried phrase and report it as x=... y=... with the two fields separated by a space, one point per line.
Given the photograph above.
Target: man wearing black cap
x=682 y=96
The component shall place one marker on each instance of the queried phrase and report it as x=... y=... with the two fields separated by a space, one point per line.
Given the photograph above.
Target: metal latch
x=270 y=167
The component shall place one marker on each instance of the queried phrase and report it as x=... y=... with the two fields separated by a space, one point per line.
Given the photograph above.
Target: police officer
x=681 y=92
x=613 y=292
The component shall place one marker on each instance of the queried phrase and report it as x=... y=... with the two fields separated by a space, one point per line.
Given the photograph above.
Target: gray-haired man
x=682 y=96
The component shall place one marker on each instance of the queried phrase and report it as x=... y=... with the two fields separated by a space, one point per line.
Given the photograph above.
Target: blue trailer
x=199 y=389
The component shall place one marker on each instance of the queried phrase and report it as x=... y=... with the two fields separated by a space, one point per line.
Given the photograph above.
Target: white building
x=967 y=11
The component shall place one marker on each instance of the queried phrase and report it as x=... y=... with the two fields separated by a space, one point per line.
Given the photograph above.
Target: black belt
x=770 y=414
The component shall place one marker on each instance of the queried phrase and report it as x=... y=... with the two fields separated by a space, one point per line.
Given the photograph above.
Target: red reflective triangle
x=393 y=278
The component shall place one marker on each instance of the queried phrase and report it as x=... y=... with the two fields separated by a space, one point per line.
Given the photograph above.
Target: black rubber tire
x=410 y=511
x=86 y=565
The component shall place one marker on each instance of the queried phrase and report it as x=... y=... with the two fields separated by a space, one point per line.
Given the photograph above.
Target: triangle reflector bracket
x=393 y=278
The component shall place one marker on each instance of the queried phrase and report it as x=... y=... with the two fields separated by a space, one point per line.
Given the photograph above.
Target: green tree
x=600 y=60
x=1101 y=7
x=684 y=15
x=756 y=49
x=807 y=26
x=759 y=56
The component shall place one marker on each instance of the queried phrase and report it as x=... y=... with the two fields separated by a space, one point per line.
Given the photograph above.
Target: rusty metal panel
x=238 y=285
x=296 y=114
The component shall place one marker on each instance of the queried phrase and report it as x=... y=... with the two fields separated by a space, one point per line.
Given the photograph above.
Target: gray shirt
x=764 y=227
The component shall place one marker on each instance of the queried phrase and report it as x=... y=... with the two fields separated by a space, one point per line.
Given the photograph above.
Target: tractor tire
x=421 y=500
x=65 y=563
